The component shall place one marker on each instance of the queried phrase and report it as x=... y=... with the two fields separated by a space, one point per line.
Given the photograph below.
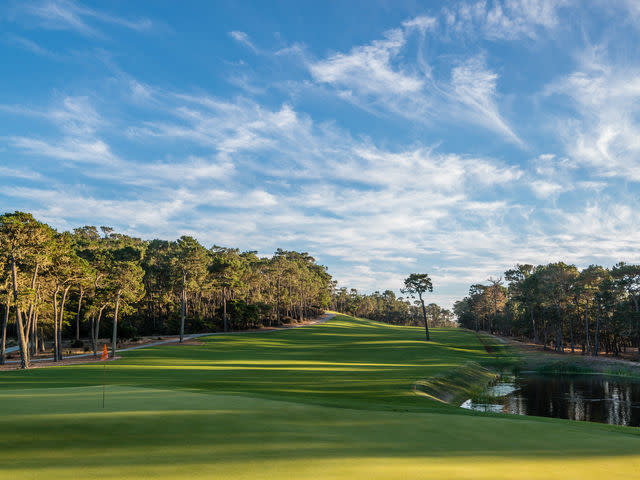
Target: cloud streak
x=373 y=77
x=73 y=16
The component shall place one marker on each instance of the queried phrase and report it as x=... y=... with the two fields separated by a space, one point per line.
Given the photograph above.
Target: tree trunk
x=36 y=339
x=561 y=335
x=183 y=306
x=278 y=302
x=55 y=324
x=571 y=332
x=586 y=327
x=27 y=333
x=495 y=309
x=93 y=335
x=64 y=299
x=3 y=336
x=97 y=332
x=34 y=327
x=24 y=355
x=224 y=308
x=533 y=324
x=115 y=327
x=637 y=306
x=78 y=314
x=595 y=343
x=301 y=302
x=424 y=317
x=154 y=315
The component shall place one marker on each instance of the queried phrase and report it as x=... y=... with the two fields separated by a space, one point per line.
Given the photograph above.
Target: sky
x=382 y=137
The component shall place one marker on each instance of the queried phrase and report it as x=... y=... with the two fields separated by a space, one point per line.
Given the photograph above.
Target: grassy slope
x=261 y=406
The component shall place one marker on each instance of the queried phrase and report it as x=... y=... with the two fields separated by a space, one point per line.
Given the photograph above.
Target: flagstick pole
x=104 y=381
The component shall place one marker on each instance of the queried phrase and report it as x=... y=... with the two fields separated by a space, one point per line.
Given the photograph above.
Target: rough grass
x=251 y=406
x=457 y=384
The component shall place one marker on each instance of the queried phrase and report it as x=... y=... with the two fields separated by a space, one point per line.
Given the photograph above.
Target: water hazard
x=592 y=398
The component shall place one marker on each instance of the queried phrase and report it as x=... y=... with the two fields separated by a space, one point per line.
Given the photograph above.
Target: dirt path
x=536 y=355
x=486 y=346
x=188 y=340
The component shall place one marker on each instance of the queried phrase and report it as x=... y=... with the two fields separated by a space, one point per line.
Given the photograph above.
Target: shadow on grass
x=152 y=427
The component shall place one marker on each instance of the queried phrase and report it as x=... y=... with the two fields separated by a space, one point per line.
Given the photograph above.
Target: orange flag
x=105 y=353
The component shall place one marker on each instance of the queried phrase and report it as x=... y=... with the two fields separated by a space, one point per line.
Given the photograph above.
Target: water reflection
x=592 y=398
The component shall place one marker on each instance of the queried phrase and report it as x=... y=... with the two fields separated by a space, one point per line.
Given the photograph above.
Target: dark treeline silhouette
x=386 y=307
x=592 y=310
x=96 y=283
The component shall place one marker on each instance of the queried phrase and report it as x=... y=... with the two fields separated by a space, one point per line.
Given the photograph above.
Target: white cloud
x=368 y=69
x=70 y=149
x=243 y=38
x=422 y=23
x=262 y=177
x=504 y=20
x=71 y=15
x=376 y=78
x=355 y=200
x=544 y=189
x=19 y=173
x=28 y=45
x=604 y=135
x=475 y=86
x=140 y=92
x=73 y=115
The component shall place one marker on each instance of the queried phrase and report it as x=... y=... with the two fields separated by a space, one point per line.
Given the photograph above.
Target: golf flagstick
x=103 y=358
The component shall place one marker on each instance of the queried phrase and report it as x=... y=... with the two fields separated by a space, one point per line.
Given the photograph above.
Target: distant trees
x=560 y=306
x=386 y=307
x=190 y=269
x=141 y=287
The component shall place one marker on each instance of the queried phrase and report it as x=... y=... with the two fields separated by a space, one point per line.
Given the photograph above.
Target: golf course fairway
x=330 y=401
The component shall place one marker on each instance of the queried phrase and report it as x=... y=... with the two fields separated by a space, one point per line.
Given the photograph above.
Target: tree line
x=91 y=283
x=388 y=308
x=560 y=306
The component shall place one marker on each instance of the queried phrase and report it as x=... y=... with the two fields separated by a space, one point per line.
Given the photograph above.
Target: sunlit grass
x=253 y=406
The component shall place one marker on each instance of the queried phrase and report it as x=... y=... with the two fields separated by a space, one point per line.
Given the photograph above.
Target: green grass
x=329 y=401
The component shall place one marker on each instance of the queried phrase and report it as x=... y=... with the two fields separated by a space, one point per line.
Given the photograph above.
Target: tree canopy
x=560 y=306
x=134 y=287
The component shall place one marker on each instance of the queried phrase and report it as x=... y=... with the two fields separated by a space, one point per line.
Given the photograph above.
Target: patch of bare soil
x=185 y=343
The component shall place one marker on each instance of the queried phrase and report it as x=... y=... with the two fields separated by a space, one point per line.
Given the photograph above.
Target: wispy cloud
x=504 y=20
x=28 y=45
x=368 y=69
x=373 y=77
x=19 y=173
x=475 y=86
x=71 y=15
x=243 y=38
x=432 y=182
x=604 y=134
x=69 y=149
x=73 y=115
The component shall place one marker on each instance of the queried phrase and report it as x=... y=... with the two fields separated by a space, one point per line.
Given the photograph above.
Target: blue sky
x=384 y=138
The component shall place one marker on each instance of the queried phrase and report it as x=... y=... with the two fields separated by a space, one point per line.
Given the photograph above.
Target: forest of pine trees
x=95 y=283
x=593 y=310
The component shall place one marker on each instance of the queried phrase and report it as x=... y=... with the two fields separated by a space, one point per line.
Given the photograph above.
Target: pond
x=591 y=398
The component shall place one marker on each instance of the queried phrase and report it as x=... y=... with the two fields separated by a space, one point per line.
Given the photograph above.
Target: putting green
x=264 y=406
